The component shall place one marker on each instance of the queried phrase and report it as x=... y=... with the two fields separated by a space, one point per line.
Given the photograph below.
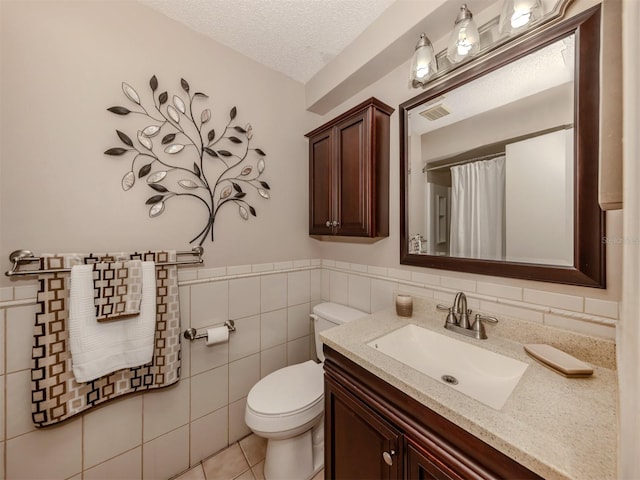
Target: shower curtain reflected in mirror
x=478 y=209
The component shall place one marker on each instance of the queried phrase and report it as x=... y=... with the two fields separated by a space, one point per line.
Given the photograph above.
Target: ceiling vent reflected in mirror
x=435 y=112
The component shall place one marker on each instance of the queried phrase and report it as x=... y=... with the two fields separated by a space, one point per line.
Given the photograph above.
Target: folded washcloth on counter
x=117 y=289
x=98 y=349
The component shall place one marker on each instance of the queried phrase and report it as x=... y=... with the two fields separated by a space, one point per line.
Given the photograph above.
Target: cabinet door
x=357 y=439
x=320 y=184
x=421 y=465
x=353 y=182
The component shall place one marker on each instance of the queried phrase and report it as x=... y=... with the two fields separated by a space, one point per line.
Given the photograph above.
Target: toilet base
x=297 y=458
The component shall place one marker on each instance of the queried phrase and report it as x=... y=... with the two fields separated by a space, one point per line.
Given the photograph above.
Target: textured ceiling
x=295 y=37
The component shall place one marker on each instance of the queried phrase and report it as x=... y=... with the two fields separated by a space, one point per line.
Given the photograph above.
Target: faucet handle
x=451 y=316
x=479 y=327
x=485 y=318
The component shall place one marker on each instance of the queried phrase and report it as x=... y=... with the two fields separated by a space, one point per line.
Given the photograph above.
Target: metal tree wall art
x=179 y=155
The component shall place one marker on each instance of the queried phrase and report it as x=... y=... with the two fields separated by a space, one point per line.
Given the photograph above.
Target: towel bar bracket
x=192 y=334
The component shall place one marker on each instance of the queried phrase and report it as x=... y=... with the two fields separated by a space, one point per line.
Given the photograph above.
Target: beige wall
x=62 y=66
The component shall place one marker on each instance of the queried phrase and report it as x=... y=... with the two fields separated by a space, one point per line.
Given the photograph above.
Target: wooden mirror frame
x=589 y=227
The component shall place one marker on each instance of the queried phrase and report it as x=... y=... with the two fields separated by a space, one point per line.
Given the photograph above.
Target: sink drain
x=451 y=380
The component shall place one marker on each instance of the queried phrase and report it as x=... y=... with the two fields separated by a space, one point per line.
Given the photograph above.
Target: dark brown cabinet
x=374 y=431
x=349 y=173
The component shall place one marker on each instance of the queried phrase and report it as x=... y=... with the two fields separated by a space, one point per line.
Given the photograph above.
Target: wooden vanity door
x=357 y=439
x=421 y=465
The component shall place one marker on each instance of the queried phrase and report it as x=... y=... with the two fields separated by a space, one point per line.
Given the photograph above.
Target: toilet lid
x=288 y=390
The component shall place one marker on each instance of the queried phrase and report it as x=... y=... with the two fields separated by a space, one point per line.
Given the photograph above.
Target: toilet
x=286 y=407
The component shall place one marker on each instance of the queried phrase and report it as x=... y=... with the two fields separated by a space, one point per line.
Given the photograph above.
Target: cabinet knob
x=335 y=223
x=328 y=223
x=388 y=457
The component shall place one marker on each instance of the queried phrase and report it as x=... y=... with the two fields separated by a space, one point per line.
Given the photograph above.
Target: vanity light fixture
x=518 y=15
x=423 y=63
x=465 y=38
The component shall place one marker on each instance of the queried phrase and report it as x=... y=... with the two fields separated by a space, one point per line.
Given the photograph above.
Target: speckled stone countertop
x=557 y=427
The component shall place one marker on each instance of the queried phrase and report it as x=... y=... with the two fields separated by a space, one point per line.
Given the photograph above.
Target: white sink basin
x=486 y=376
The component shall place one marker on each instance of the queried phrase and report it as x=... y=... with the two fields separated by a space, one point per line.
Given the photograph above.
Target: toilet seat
x=286 y=399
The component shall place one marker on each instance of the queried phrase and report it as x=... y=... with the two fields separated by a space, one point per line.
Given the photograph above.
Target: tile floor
x=243 y=460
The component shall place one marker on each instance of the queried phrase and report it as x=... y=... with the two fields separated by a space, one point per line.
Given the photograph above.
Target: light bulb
x=423 y=64
x=519 y=14
x=465 y=38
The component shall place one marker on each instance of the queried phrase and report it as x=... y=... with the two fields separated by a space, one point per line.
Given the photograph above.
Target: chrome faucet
x=458 y=318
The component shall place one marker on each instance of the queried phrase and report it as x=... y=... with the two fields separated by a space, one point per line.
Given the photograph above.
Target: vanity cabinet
x=375 y=431
x=349 y=173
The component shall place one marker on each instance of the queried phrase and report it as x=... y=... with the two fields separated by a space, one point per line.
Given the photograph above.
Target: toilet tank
x=327 y=315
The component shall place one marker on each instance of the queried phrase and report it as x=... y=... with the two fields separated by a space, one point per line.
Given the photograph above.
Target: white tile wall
x=127 y=465
x=161 y=433
x=112 y=429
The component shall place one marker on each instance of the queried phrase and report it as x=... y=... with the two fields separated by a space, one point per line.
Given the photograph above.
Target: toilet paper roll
x=217 y=335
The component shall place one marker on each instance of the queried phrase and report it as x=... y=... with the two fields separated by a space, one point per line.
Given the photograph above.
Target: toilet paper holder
x=192 y=334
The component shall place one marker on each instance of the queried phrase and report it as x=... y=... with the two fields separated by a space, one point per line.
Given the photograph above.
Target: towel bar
x=22 y=257
x=192 y=334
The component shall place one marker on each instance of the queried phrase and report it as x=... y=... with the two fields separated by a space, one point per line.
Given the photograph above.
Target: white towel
x=98 y=349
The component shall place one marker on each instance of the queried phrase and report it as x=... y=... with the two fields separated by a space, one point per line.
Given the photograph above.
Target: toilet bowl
x=286 y=407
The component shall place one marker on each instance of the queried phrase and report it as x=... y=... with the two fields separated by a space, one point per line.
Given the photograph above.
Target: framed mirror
x=499 y=163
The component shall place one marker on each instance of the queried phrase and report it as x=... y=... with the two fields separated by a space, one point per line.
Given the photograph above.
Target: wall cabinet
x=349 y=173
x=374 y=431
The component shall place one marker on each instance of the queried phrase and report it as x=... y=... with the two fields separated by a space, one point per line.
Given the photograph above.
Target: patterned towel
x=117 y=289
x=56 y=396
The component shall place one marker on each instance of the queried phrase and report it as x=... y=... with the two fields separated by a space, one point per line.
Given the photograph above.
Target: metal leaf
x=190 y=184
x=246 y=171
x=200 y=94
x=224 y=153
x=211 y=135
x=211 y=151
x=162 y=98
x=130 y=93
x=260 y=165
x=196 y=169
x=239 y=129
x=156 y=209
x=173 y=113
x=235 y=139
x=265 y=185
x=115 y=151
x=174 y=148
x=119 y=110
x=157 y=176
x=252 y=210
x=233 y=113
x=154 y=199
x=128 y=180
x=259 y=152
x=185 y=85
x=205 y=116
x=263 y=193
x=159 y=188
x=240 y=195
x=145 y=141
x=153 y=83
x=226 y=192
x=144 y=170
x=236 y=187
x=125 y=138
x=151 y=131
x=243 y=212
x=168 y=138
x=179 y=104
